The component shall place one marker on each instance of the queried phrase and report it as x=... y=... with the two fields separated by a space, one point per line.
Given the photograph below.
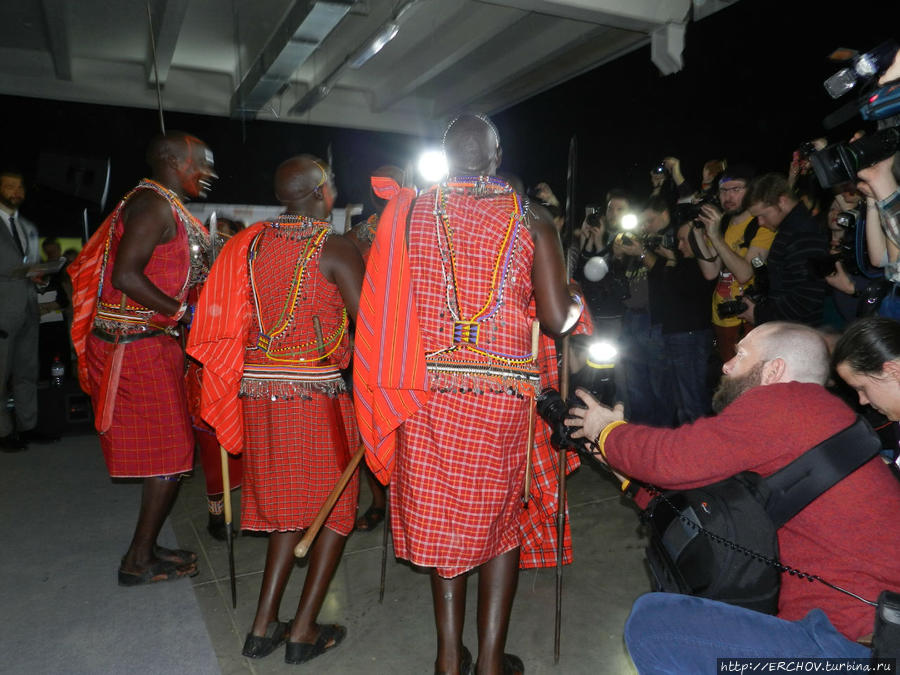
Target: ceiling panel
x=447 y=54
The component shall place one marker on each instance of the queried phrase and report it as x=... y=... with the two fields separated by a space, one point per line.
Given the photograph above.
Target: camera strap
x=796 y=485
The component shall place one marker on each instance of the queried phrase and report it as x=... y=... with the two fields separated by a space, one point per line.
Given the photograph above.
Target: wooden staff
x=561 y=504
x=301 y=549
x=384 y=546
x=229 y=535
x=526 y=493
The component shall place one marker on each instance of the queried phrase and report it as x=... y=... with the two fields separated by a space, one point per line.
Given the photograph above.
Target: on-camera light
x=432 y=166
x=629 y=221
x=602 y=354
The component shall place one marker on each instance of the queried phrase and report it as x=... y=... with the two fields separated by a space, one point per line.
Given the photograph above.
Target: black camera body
x=554 y=410
x=737 y=306
x=689 y=213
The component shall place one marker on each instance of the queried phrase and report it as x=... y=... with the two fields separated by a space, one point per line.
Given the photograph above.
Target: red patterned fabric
x=537 y=525
x=291 y=457
x=290 y=465
x=389 y=378
x=151 y=432
x=205 y=438
x=218 y=336
x=459 y=470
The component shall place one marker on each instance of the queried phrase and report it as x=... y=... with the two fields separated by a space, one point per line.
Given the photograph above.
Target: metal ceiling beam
x=465 y=31
x=168 y=18
x=532 y=40
x=56 y=20
x=304 y=26
x=640 y=15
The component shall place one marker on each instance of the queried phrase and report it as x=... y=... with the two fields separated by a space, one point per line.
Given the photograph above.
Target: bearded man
x=772 y=408
x=130 y=291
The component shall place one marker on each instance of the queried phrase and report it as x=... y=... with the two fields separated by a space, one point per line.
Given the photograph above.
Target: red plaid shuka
x=151 y=431
x=459 y=469
x=537 y=525
x=292 y=457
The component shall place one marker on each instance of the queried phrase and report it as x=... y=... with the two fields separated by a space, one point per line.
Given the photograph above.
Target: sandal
x=512 y=665
x=176 y=555
x=465 y=662
x=256 y=647
x=301 y=652
x=370 y=519
x=162 y=570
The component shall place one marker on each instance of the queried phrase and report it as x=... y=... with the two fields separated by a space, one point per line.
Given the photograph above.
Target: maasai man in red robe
x=476 y=254
x=130 y=290
x=271 y=333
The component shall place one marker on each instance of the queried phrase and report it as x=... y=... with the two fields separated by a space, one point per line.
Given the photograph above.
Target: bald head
x=472 y=145
x=302 y=183
x=174 y=144
x=802 y=349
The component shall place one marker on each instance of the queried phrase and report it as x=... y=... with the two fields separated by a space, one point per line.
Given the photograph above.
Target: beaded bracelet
x=180 y=313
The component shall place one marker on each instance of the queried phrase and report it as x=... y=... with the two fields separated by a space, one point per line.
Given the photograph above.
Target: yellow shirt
x=728 y=287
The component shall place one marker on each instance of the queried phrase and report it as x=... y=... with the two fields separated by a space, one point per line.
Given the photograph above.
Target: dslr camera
x=689 y=213
x=840 y=162
x=755 y=292
x=554 y=410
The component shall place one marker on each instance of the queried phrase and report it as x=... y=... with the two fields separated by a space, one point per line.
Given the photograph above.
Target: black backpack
x=719 y=541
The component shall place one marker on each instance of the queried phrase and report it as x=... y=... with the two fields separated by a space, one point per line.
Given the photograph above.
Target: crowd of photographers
x=681 y=283
x=770 y=269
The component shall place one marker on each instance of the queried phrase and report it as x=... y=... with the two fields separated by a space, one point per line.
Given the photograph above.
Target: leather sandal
x=256 y=647
x=329 y=637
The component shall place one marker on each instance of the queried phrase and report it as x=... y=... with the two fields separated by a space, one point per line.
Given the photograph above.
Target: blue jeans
x=669 y=633
x=647 y=378
x=688 y=356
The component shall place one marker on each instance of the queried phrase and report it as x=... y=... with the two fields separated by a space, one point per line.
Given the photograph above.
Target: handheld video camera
x=840 y=162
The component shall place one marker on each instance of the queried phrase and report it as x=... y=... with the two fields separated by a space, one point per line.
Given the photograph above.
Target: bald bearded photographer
x=772 y=407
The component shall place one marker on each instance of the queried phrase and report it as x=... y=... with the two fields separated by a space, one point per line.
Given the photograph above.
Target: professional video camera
x=840 y=162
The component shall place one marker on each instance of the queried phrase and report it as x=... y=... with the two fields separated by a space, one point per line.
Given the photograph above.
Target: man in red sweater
x=772 y=407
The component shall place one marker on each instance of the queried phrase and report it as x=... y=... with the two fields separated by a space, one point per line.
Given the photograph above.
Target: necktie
x=15 y=234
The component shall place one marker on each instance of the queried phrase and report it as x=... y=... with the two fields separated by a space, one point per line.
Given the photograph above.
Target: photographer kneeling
x=772 y=408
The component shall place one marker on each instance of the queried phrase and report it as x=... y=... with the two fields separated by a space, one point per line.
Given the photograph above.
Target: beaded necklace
x=312 y=234
x=142 y=313
x=466 y=329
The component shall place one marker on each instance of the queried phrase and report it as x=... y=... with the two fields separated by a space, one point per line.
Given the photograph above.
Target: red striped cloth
x=205 y=438
x=389 y=376
x=290 y=466
x=218 y=335
x=537 y=524
x=151 y=431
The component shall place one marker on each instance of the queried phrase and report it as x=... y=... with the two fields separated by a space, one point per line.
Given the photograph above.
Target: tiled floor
x=398 y=635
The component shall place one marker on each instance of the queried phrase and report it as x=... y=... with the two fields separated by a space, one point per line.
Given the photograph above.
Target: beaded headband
x=480 y=116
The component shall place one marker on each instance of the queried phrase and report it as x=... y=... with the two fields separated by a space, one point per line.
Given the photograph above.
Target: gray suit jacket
x=18 y=297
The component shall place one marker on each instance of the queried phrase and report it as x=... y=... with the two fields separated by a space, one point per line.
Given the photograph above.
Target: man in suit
x=19 y=318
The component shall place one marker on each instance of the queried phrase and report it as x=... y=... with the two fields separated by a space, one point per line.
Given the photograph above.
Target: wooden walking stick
x=561 y=504
x=229 y=535
x=301 y=549
x=526 y=493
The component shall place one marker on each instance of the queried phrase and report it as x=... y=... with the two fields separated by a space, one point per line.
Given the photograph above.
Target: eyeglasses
x=737 y=188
